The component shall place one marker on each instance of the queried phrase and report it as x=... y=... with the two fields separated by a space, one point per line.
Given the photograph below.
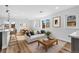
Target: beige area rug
x=54 y=49
x=33 y=47
x=66 y=48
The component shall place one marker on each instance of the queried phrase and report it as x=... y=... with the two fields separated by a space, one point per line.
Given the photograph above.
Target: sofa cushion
x=28 y=34
x=42 y=31
x=36 y=36
x=31 y=32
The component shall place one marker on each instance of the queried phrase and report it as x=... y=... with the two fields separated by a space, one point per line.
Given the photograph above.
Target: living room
x=58 y=21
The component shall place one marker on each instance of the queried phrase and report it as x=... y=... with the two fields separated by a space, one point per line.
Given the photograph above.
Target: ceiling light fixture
x=57 y=7
x=6 y=5
x=7 y=11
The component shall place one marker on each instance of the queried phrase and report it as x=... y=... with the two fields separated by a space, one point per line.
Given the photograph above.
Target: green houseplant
x=47 y=34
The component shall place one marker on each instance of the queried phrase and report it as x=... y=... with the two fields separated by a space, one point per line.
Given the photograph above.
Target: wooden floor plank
x=21 y=46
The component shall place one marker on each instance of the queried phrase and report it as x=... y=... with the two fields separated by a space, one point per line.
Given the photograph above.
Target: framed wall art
x=57 y=21
x=45 y=23
x=71 y=21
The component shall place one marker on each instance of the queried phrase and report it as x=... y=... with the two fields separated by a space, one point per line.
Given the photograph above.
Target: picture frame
x=71 y=21
x=46 y=23
x=43 y=24
x=57 y=21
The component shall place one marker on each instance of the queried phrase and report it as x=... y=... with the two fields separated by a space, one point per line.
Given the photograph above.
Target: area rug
x=54 y=49
x=66 y=48
x=33 y=47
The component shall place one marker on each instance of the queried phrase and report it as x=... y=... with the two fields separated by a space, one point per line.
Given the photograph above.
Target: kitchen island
x=75 y=42
x=4 y=38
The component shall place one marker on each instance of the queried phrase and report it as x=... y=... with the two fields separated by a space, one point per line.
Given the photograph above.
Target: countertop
x=6 y=30
x=74 y=34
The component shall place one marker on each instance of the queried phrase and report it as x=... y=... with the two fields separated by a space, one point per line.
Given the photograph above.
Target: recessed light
x=57 y=7
x=41 y=11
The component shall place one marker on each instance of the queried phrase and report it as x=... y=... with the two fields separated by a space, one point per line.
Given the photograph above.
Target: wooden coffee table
x=47 y=43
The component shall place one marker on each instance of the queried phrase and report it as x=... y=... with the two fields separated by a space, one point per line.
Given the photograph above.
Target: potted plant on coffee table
x=47 y=34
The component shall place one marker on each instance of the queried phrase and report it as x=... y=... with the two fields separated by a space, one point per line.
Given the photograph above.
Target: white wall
x=63 y=31
x=36 y=24
x=24 y=21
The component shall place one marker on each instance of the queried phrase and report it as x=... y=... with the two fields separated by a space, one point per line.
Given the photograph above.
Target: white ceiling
x=32 y=11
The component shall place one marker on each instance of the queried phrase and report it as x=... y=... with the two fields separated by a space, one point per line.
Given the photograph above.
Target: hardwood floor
x=23 y=47
x=19 y=45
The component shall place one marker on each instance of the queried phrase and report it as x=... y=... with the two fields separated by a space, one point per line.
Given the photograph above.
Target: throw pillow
x=38 y=32
x=35 y=32
x=28 y=34
x=31 y=32
x=42 y=31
